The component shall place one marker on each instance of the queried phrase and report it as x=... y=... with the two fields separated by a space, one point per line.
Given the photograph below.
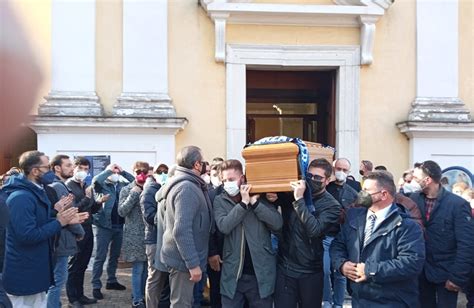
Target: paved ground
x=116 y=299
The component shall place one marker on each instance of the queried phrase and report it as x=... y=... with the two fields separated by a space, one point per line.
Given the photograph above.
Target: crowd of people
x=197 y=224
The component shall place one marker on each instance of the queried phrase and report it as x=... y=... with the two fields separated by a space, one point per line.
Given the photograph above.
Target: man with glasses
x=380 y=249
x=28 y=264
x=300 y=249
x=449 y=238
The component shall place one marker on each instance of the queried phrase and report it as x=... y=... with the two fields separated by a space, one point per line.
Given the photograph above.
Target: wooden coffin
x=271 y=167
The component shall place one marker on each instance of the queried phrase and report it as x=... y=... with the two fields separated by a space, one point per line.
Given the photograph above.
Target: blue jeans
x=104 y=238
x=60 y=278
x=139 y=275
x=338 y=281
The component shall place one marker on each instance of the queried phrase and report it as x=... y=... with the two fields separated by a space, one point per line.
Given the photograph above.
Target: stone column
x=145 y=61
x=73 y=61
x=437 y=97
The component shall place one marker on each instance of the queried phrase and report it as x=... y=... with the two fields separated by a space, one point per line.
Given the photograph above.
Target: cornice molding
x=114 y=125
x=344 y=13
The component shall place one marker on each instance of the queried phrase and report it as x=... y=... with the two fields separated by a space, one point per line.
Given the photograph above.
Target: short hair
x=322 y=163
x=57 y=160
x=81 y=161
x=384 y=180
x=217 y=160
x=431 y=169
x=155 y=169
x=30 y=160
x=381 y=167
x=343 y=158
x=368 y=165
x=232 y=164
x=416 y=165
x=140 y=165
x=408 y=172
x=188 y=156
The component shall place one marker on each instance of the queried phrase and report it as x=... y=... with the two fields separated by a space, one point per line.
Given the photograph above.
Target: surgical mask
x=215 y=181
x=206 y=178
x=161 y=178
x=114 y=177
x=316 y=187
x=340 y=176
x=80 y=175
x=47 y=178
x=411 y=187
x=364 y=199
x=232 y=188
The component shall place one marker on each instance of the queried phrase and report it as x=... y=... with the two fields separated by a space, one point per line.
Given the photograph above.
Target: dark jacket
x=253 y=226
x=66 y=241
x=101 y=185
x=28 y=265
x=149 y=205
x=354 y=184
x=393 y=258
x=216 y=239
x=160 y=224
x=81 y=201
x=4 y=215
x=449 y=238
x=344 y=194
x=189 y=220
x=300 y=248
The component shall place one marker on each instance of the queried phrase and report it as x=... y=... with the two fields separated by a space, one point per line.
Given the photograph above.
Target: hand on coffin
x=299 y=188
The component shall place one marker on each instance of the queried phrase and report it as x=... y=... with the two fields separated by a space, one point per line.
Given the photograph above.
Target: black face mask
x=203 y=169
x=361 y=172
x=316 y=187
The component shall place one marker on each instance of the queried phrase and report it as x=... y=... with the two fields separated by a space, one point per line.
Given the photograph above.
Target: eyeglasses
x=315 y=177
x=43 y=166
x=374 y=193
x=162 y=171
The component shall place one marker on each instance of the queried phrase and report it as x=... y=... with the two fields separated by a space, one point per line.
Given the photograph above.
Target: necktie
x=369 y=228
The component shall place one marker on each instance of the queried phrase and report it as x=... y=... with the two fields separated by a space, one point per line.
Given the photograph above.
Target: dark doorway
x=291 y=103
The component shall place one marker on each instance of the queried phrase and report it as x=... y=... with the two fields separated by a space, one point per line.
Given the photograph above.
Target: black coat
x=393 y=258
x=300 y=248
x=449 y=238
x=149 y=206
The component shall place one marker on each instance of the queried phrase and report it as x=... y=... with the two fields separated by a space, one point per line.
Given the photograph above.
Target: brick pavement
x=118 y=299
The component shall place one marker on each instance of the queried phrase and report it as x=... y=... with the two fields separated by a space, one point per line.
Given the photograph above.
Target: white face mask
x=232 y=188
x=215 y=181
x=80 y=175
x=206 y=178
x=114 y=177
x=340 y=176
x=411 y=187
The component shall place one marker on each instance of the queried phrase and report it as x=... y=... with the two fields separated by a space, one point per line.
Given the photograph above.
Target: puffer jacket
x=393 y=257
x=28 y=267
x=300 y=247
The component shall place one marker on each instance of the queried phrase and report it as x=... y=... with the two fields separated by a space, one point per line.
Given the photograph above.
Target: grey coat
x=133 y=245
x=254 y=226
x=188 y=218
